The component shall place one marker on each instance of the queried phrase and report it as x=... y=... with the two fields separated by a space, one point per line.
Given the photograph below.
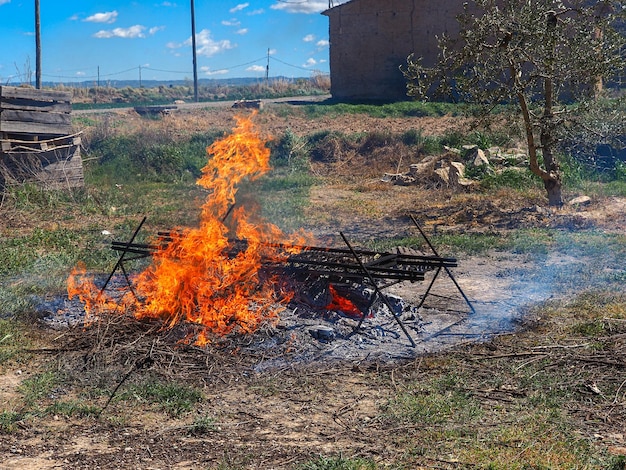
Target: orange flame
x=81 y=285
x=342 y=304
x=196 y=278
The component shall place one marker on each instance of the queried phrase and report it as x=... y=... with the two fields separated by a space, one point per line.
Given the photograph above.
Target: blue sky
x=124 y=40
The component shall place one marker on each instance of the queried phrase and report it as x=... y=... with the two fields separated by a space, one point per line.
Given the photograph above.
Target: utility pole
x=193 y=47
x=267 y=68
x=97 y=85
x=37 y=46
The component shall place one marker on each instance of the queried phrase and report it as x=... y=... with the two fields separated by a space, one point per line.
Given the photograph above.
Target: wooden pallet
x=51 y=163
x=30 y=111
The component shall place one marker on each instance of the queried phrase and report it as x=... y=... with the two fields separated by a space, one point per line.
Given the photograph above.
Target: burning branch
x=194 y=277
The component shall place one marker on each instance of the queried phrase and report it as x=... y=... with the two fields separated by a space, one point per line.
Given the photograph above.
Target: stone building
x=371 y=39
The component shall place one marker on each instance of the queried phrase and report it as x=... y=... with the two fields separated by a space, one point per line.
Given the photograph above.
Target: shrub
x=514 y=178
x=151 y=157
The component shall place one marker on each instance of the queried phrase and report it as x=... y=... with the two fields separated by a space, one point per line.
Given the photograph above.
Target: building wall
x=371 y=39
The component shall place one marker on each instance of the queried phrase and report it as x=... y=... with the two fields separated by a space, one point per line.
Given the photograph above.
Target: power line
x=247 y=63
x=134 y=69
x=167 y=71
x=93 y=76
x=291 y=65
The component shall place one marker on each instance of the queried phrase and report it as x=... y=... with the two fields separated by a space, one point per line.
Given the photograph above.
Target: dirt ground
x=297 y=398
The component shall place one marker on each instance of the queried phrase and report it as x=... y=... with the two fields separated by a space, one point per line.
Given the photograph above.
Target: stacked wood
x=51 y=163
x=30 y=111
x=36 y=140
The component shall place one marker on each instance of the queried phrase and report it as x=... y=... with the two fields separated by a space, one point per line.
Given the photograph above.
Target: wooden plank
x=53 y=142
x=33 y=94
x=63 y=173
x=17 y=127
x=60 y=168
x=34 y=116
x=30 y=105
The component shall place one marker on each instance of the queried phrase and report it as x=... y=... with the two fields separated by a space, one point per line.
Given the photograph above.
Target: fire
x=342 y=304
x=198 y=277
x=82 y=286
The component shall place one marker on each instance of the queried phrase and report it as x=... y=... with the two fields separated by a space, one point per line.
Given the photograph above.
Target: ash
x=307 y=333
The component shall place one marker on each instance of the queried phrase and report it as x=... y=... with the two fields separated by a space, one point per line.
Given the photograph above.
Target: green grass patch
x=13 y=340
x=447 y=244
x=38 y=262
x=385 y=110
x=513 y=178
x=441 y=400
x=8 y=421
x=73 y=408
x=203 y=424
x=535 y=440
x=40 y=250
x=174 y=398
x=599 y=304
x=39 y=387
x=470 y=244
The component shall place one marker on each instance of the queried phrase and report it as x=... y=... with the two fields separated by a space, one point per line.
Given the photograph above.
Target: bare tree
x=548 y=56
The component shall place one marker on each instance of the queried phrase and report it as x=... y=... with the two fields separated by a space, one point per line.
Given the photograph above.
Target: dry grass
x=551 y=395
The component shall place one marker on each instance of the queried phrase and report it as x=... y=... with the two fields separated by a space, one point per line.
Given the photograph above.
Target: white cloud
x=205 y=45
x=314 y=6
x=208 y=71
x=242 y=31
x=80 y=74
x=232 y=22
x=260 y=11
x=311 y=62
x=2 y=2
x=255 y=68
x=127 y=33
x=208 y=47
x=239 y=7
x=309 y=38
x=322 y=43
x=106 y=17
x=155 y=29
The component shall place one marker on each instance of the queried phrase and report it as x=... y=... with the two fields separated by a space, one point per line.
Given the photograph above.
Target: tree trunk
x=552 y=175
x=553 y=188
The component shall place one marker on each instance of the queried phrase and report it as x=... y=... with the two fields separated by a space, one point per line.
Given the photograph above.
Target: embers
x=349 y=281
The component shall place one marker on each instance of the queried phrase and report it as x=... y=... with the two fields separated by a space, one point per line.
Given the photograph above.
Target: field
x=545 y=390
